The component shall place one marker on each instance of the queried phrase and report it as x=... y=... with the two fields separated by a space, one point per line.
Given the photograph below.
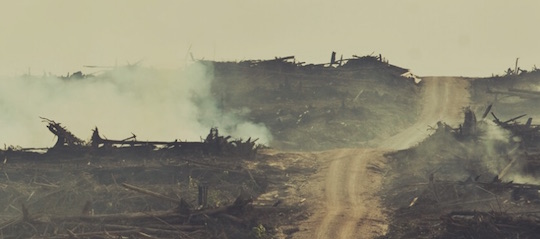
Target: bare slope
x=316 y=107
x=443 y=99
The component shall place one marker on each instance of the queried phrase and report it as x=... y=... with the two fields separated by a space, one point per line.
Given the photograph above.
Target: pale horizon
x=457 y=38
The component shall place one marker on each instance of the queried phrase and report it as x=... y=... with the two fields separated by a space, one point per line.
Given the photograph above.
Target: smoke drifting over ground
x=449 y=158
x=152 y=104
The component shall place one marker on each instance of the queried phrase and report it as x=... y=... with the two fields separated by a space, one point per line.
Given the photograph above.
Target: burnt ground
x=312 y=107
x=306 y=107
x=511 y=95
x=480 y=186
x=439 y=176
x=58 y=194
x=320 y=117
x=444 y=187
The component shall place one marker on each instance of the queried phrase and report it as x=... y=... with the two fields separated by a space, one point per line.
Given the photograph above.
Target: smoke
x=518 y=177
x=503 y=155
x=497 y=147
x=153 y=104
x=450 y=158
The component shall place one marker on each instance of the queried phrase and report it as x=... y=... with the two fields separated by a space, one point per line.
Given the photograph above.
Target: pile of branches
x=183 y=221
x=98 y=199
x=69 y=145
x=218 y=144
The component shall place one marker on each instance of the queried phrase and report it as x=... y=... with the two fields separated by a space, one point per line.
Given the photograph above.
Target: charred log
x=65 y=138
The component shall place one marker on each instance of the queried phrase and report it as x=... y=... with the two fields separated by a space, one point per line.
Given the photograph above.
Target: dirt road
x=350 y=206
x=443 y=100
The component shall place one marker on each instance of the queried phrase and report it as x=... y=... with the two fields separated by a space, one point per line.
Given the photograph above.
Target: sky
x=432 y=38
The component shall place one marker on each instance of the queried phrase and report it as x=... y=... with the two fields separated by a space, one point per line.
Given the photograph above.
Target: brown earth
x=344 y=198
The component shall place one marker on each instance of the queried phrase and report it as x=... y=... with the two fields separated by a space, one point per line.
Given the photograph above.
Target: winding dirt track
x=443 y=100
x=351 y=207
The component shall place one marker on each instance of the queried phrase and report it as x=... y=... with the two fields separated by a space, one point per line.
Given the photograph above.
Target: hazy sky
x=469 y=38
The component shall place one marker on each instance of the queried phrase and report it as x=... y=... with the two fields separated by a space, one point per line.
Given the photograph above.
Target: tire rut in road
x=336 y=176
x=346 y=178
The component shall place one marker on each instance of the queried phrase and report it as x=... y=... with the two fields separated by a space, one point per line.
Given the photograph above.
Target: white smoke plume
x=497 y=147
x=153 y=104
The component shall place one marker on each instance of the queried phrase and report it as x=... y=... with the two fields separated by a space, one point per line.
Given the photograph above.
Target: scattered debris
x=464 y=178
x=120 y=188
x=359 y=91
x=68 y=145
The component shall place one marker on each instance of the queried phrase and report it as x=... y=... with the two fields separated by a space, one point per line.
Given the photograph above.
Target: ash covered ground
x=274 y=148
